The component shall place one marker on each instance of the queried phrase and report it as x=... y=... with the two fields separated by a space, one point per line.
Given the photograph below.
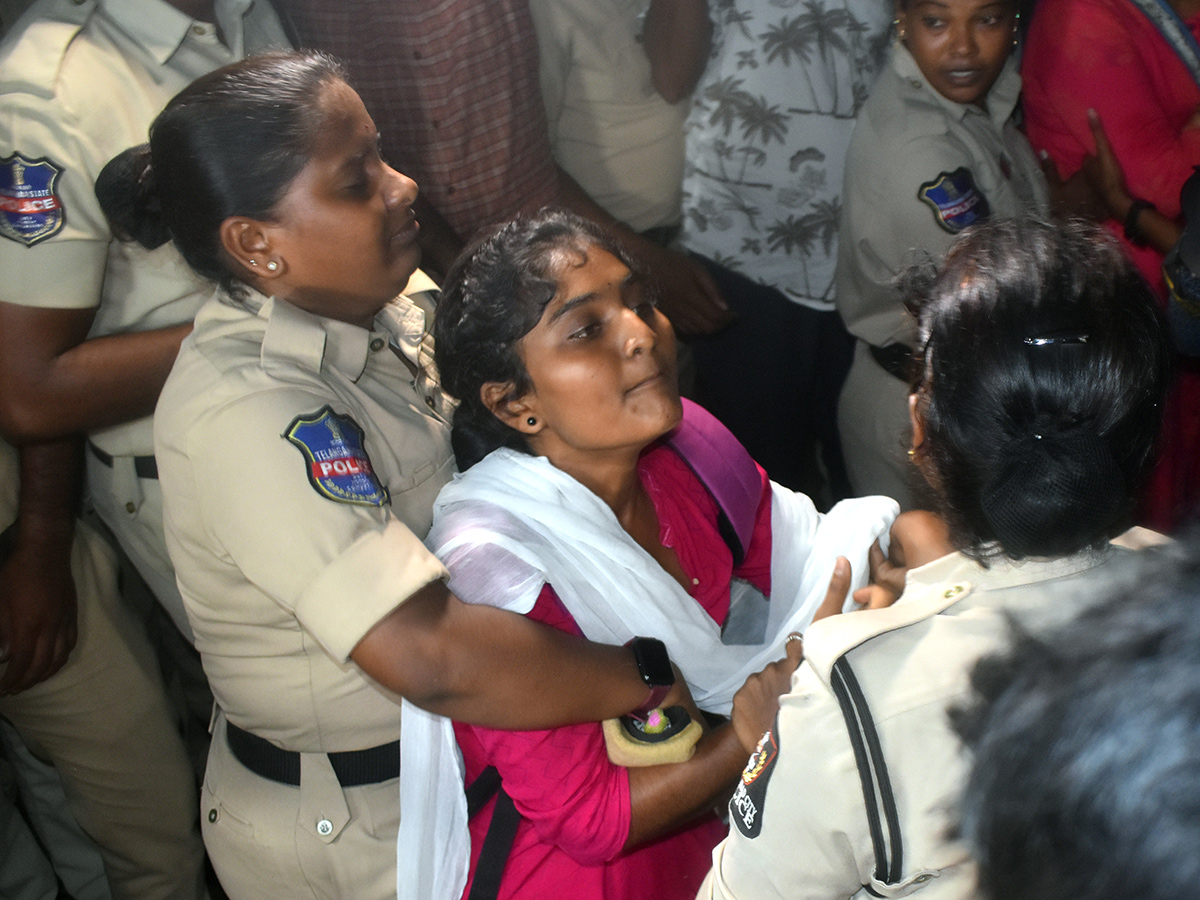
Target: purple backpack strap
x=724 y=467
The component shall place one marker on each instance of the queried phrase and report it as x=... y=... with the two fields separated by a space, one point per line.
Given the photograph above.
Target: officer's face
x=344 y=235
x=959 y=45
x=602 y=364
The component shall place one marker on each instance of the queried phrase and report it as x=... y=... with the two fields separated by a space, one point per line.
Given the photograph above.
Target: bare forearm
x=51 y=476
x=677 y=37
x=54 y=382
x=494 y=668
x=664 y=797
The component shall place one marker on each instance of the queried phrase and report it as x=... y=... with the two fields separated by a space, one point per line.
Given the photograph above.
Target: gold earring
x=272 y=265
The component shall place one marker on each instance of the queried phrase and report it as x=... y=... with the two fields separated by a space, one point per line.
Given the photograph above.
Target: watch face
x=653 y=662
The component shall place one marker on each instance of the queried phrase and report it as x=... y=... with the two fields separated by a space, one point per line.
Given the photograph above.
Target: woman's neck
x=615 y=479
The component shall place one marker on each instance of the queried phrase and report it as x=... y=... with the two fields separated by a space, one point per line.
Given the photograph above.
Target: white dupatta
x=514 y=522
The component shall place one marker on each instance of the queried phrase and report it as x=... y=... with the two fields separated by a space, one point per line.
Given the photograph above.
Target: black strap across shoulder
x=500 y=834
x=878 y=797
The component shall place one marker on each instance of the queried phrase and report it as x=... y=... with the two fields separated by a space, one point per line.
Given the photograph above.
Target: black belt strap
x=352 y=767
x=501 y=833
x=895 y=359
x=144 y=466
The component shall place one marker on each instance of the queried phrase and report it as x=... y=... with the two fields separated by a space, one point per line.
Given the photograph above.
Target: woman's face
x=344 y=235
x=602 y=363
x=960 y=45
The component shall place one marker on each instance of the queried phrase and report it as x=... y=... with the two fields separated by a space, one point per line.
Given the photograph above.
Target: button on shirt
x=281 y=581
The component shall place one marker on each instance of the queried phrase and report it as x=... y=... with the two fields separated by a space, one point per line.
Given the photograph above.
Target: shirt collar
x=294 y=337
x=1001 y=99
x=1000 y=572
x=159 y=28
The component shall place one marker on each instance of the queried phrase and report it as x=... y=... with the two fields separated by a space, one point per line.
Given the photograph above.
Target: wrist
x=1133 y=232
x=654 y=668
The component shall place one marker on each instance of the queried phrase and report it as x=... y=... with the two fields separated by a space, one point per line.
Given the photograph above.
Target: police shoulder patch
x=338 y=465
x=955 y=200
x=30 y=208
x=746 y=805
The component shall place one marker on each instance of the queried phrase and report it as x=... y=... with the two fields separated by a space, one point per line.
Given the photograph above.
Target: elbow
x=413 y=653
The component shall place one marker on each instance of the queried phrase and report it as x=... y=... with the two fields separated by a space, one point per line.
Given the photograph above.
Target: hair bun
x=128 y=193
x=1053 y=492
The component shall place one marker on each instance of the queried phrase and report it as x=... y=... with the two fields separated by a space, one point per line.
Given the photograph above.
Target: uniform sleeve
x=52 y=257
x=888 y=227
x=798 y=829
x=563 y=783
x=338 y=565
x=1080 y=56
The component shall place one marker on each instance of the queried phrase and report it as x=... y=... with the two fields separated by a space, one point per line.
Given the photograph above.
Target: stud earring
x=272 y=265
x=912 y=452
x=254 y=262
x=531 y=421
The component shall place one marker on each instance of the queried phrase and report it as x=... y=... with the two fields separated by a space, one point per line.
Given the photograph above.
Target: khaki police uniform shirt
x=798 y=822
x=909 y=139
x=81 y=81
x=299 y=460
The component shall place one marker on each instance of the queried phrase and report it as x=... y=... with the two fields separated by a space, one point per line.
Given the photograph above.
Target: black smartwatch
x=654 y=665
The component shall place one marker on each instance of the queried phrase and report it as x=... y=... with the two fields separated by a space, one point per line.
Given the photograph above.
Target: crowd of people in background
x=597 y=448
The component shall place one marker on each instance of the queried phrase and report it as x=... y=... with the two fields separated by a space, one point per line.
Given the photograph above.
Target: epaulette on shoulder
x=31 y=56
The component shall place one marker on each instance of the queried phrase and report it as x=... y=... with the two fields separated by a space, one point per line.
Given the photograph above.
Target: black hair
x=1042 y=380
x=494 y=294
x=229 y=144
x=1086 y=777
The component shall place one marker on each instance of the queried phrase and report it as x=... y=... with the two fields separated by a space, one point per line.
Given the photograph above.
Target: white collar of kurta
x=1001 y=99
x=159 y=28
x=524 y=522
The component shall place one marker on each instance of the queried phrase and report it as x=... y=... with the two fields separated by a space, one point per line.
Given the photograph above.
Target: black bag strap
x=878 y=797
x=497 y=845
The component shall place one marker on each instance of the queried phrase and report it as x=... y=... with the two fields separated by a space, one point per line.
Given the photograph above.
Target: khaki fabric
x=912 y=662
x=907 y=136
x=103 y=721
x=81 y=81
x=281 y=581
x=283 y=573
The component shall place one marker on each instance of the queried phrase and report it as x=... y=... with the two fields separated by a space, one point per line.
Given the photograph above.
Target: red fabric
x=1106 y=55
x=574 y=802
x=453 y=88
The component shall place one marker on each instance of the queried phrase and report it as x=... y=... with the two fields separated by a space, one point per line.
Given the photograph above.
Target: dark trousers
x=773 y=378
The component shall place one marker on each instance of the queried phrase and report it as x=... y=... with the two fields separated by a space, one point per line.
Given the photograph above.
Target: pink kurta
x=575 y=804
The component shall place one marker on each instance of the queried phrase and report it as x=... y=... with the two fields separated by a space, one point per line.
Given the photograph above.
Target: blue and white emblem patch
x=338 y=465
x=955 y=200
x=30 y=210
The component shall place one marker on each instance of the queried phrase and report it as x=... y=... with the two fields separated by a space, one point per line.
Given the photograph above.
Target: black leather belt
x=144 y=466
x=895 y=359
x=352 y=767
